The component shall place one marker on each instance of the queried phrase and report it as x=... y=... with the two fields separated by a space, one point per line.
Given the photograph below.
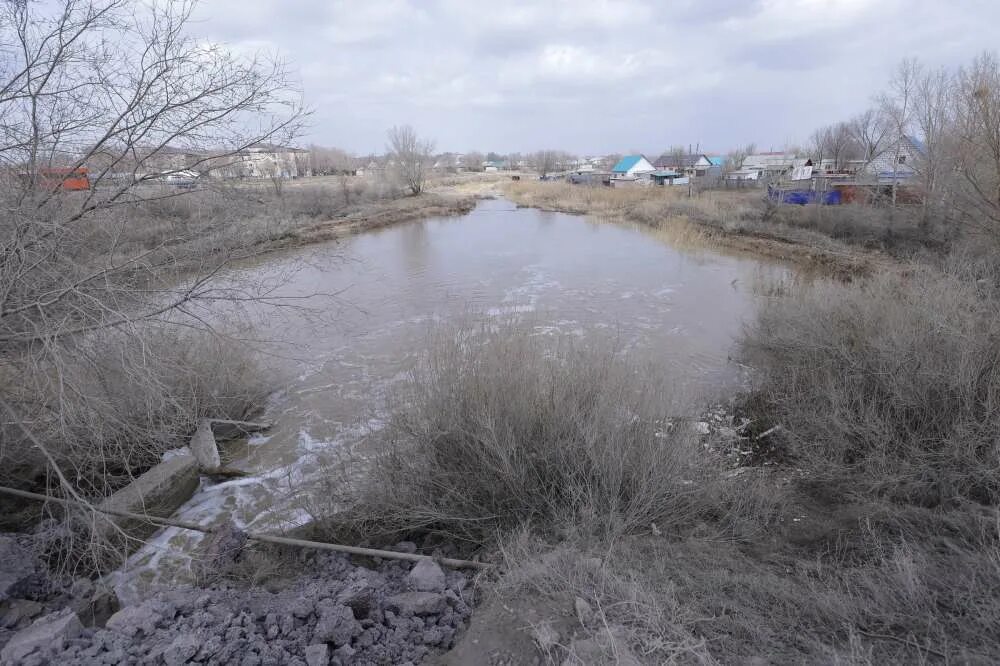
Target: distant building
x=769 y=165
x=897 y=163
x=632 y=166
x=690 y=164
x=667 y=177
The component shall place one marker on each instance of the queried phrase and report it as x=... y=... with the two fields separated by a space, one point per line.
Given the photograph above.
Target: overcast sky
x=591 y=76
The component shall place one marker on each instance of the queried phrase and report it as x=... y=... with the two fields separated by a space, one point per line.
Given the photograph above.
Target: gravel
x=331 y=612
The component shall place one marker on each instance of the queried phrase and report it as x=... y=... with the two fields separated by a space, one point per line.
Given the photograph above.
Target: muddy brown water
x=560 y=274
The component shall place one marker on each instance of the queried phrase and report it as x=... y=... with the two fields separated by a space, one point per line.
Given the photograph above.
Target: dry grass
x=892 y=386
x=846 y=584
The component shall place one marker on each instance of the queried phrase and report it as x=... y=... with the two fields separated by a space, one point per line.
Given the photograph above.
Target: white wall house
x=632 y=167
x=898 y=162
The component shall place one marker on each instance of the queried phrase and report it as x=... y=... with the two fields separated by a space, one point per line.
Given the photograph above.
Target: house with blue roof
x=631 y=168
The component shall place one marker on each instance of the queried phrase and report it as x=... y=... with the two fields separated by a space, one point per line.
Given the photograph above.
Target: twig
x=769 y=431
x=264 y=538
x=903 y=641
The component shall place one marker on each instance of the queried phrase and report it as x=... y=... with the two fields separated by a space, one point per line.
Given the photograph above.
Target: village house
x=897 y=163
x=769 y=165
x=689 y=165
x=269 y=161
x=630 y=169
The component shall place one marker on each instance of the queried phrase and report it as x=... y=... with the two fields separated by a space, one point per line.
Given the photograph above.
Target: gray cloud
x=593 y=75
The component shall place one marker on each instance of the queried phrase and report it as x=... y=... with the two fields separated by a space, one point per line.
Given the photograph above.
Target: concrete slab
x=158 y=492
x=203 y=446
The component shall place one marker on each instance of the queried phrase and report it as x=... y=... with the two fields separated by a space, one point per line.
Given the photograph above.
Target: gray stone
x=426 y=576
x=336 y=625
x=318 y=655
x=417 y=603
x=203 y=446
x=134 y=619
x=19 y=612
x=48 y=632
x=181 y=649
x=359 y=597
x=95 y=610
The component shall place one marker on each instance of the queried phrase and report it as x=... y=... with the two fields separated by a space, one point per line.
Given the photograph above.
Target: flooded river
x=561 y=274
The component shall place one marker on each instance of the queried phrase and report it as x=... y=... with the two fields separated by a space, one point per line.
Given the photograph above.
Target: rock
x=134 y=619
x=302 y=607
x=181 y=649
x=417 y=603
x=359 y=597
x=426 y=576
x=584 y=613
x=336 y=625
x=19 y=612
x=17 y=568
x=48 y=632
x=96 y=609
x=317 y=655
x=345 y=653
x=700 y=427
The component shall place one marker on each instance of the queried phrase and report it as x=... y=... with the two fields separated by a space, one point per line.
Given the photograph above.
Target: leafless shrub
x=892 y=384
x=500 y=428
x=122 y=403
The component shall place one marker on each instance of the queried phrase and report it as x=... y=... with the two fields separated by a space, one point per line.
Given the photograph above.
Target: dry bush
x=119 y=401
x=500 y=428
x=900 y=232
x=892 y=385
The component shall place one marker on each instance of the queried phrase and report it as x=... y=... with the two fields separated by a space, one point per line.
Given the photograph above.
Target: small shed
x=668 y=177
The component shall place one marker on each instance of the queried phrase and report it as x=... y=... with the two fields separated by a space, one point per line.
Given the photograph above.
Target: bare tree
x=411 y=157
x=473 y=160
x=933 y=119
x=735 y=158
x=118 y=87
x=871 y=132
x=546 y=161
x=978 y=139
x=897 y=103
x=835 y=142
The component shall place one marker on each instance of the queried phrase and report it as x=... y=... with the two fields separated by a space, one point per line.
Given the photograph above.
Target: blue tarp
x=803 y=197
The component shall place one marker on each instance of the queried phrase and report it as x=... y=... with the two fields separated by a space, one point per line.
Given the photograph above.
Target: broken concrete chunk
x=426 y=576
x=318 y=655
x=49 y=632
x=203 y=446
x=417 y=603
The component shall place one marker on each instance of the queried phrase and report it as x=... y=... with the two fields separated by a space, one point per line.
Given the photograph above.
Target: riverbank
x=368 y=217
x=736 y=221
